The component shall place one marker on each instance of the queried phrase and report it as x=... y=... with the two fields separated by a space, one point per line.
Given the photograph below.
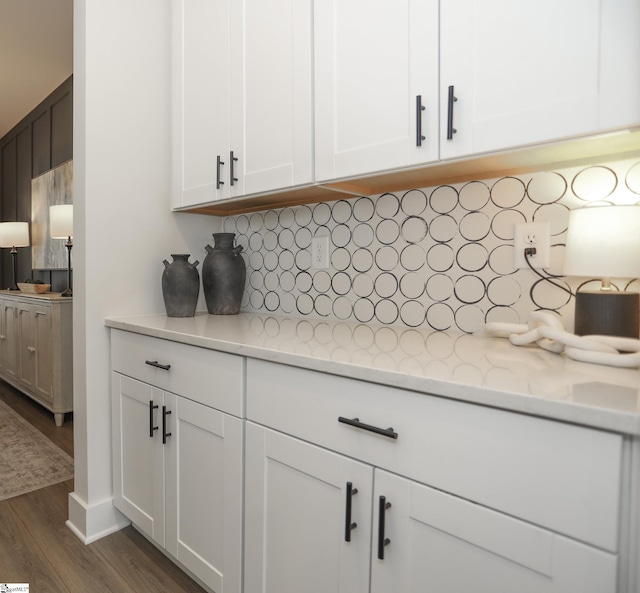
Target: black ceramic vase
x=223 y=275
x=180 y=286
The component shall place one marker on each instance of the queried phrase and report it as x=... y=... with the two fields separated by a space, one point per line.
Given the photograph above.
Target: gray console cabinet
x=36 y=348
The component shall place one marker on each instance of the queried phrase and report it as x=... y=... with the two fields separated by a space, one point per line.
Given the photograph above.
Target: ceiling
x=36 y=54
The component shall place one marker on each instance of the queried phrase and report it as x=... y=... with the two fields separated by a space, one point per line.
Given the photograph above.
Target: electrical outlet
x=536 y=235
x=320 y=253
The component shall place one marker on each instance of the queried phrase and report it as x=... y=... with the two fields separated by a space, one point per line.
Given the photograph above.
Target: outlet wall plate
x=532 y=234
x=320 y=252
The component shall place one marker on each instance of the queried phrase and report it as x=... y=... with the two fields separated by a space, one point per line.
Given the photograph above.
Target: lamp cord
x=530 y=251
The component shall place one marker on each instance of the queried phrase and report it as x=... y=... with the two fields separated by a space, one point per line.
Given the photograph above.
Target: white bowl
x=33 y=288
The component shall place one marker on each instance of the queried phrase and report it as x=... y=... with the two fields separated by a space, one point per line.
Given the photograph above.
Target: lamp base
x=607 y=313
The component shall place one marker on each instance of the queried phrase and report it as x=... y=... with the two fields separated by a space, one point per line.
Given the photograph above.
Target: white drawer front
x=560 y=476
x=212 y=378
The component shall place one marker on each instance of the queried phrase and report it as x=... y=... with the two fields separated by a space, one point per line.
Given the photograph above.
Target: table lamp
x=61 y=226
x=603 y=242
x=14 y=234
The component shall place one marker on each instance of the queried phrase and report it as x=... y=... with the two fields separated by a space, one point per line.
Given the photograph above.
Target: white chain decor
x=546 y=330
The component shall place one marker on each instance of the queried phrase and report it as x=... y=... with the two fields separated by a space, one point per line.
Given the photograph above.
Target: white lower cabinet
x=259 y=477
x=203 y=492
x=408 y=536
x=178 y=473
x=138 y=460
x=296 y=517
x=318 y=521
x=440 y=543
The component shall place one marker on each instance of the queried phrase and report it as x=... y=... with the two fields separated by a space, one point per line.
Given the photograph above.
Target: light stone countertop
x=472 y=368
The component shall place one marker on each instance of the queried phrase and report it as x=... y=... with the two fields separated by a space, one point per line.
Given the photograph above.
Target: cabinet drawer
x=212 y=378
x=560 y=476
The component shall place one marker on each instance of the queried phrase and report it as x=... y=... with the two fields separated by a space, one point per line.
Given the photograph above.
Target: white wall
x=124 y=227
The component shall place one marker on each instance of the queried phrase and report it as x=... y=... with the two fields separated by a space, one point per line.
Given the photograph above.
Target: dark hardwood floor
x=42 y=419
x=37 y=548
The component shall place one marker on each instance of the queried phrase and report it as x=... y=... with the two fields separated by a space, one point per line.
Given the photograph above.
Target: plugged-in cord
x=531 y=251
x=546 y=330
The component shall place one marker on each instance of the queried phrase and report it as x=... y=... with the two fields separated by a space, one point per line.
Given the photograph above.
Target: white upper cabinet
x=270 y=96
x=242 y=104
x=530 y=72
x=273 y=126
x=201 y=99
x=373 y=59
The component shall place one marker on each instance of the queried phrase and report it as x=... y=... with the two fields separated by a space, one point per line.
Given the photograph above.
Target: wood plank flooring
x=37 y=548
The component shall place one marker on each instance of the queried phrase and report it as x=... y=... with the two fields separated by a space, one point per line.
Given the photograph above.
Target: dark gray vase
x=180 y=286
x=223 y=275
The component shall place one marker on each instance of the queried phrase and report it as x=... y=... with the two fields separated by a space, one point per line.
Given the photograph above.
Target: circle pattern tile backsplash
x=439 y=257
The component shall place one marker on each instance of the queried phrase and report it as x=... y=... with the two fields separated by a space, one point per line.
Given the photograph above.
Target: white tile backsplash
x=439 y=257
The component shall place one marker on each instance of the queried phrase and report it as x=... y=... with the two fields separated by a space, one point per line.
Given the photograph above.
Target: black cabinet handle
x=385 y=432
x=450 y=129
x=151 y=426
x=383 y=541
x=232 y=159
x=419 y=109
x=155 y=363
x=219 y=181
x=165 y=434
x=348 y=525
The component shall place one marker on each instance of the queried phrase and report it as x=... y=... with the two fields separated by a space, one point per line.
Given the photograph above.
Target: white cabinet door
x=272 y=119
x=296 y=517
x=9 y=338
x=204 y=492
x=201 y=100
x=42 y=340
x=26 y=349
x=372 y=61
x=178 y=471
x=138 y=454
x=35 y=351
x=528 y=72
x=440 y=543
x=242 y=104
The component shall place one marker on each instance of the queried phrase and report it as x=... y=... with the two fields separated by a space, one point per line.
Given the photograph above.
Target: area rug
x=28 y=460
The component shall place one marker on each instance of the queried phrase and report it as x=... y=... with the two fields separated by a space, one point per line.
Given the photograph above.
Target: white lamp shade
x=61 y=221
x=14 y=234
x=603 y=242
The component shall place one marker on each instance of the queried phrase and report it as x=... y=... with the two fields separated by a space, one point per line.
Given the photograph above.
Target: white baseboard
x=93 y=522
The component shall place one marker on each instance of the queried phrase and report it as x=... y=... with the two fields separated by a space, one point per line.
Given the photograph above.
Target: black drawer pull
x=155 y=363
x=385 y=432
x=452 y=99
x=219 y=182
x=348 y=525
x=419 y=109
x=232 y=160
x=382 y=540
x=165 y=434
x=151 y=426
